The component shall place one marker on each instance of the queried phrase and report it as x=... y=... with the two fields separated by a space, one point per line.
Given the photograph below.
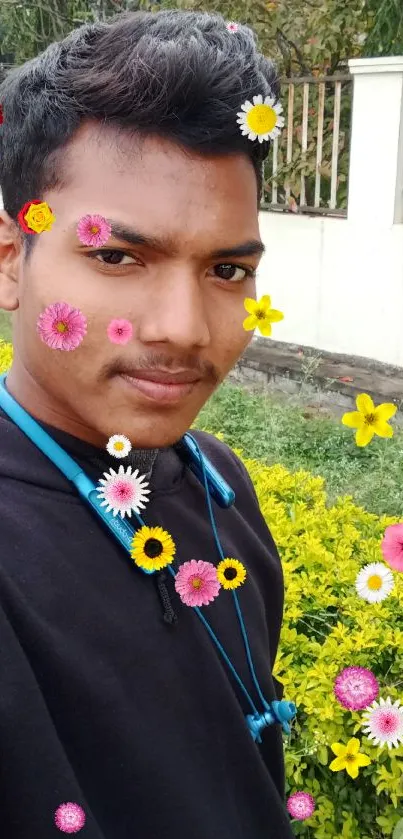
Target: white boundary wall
x=339 y=282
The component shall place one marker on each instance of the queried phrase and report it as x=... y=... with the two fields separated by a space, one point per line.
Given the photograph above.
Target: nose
x=176 y=311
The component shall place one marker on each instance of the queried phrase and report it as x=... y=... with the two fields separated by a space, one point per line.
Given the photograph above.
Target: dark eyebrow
x=133 y=237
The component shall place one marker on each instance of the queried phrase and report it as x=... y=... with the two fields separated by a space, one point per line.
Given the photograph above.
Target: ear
x=11 y=254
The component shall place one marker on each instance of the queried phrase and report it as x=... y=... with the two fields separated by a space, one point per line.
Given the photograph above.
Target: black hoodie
x=112 y=695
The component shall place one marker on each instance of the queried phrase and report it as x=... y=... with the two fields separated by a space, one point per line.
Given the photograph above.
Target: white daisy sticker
x=384 y=723
x=374 y=582
x=261 y=119
x=123 y=492
x=119 y=446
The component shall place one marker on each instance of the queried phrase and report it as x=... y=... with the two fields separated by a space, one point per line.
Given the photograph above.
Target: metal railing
x=307 y=169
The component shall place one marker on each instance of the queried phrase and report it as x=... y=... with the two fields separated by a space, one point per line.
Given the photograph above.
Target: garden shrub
x=6 y=355
x=326 y=628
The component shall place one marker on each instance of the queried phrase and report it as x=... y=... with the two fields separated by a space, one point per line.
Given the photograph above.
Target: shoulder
x=223 y=458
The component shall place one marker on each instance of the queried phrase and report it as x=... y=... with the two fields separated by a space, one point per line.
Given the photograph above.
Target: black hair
x=174 y=74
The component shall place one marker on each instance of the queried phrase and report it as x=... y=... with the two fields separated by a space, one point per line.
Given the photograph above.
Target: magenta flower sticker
x=301 y=805
x=120 y=331
x=93 y=230
x=197 y=583
x=232 y=26
x=61 y=327
x=355 y=688
x=392 y=546
x=70 y=817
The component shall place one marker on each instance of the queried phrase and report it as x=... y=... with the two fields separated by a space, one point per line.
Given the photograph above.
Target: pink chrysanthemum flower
x=355 y=688
x=120 y=331
x=232 y=26
x=384 y=723
x=123 y=492
x=93 y=230
x=70 y=817
x=301 y=805
x=61 y=327
x=392 y=546
x=197 y=583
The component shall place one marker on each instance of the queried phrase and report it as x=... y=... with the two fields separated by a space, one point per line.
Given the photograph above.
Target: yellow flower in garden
x=39 y=217
x=348 y=757
x=261 y=315
x=231 y=573
x=370 y=420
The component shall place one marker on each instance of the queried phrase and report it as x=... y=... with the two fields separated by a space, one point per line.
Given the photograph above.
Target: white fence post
x=376 y=159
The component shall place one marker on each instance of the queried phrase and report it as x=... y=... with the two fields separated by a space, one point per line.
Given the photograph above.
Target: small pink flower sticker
x=197 y=583
x=232 y=26
x=93 y=230
x=70 y=817
x=120 y=331
x=301 y=805
x=355 y=688
x=61 y=327
x=392 y=546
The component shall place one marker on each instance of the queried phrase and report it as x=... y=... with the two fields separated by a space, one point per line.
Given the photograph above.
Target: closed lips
x=162 y=377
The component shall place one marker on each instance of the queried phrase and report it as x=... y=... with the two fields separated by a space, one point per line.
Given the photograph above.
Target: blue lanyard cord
x=234 y=594
x=214 y=636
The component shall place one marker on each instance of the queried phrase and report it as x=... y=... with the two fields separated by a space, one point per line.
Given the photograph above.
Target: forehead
x=155 y=182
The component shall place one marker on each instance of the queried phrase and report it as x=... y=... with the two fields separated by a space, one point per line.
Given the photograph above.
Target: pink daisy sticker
x=61 y=327
x=301 y=805
x=392 y=546
x=196 y=583
x=355 y=688
x=70 y=817
x=123 y=492
x=120 y=331
x=93 y=230
x=232 y=26
x=384 y=723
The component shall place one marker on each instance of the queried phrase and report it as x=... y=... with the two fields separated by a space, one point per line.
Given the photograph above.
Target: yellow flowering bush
x=6 y=356
x=326 y=628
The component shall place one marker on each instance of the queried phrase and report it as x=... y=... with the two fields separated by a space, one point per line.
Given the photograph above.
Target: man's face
x=183 y=290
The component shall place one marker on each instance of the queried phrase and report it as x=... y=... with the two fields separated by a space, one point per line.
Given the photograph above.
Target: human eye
x=231 y=273
x=113 y=257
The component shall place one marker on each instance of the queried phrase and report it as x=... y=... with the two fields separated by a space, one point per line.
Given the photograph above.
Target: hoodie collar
x=22 y=460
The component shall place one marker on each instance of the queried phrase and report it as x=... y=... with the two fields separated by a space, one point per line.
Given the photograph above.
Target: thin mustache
x=207 y=371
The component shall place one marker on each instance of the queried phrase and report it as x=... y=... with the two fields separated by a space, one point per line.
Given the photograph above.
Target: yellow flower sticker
x=348 y=757
x=261 y=315
x=369 y=420
x=36 y=216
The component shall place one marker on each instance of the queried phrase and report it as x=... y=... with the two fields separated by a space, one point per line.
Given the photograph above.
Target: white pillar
x=376 y=159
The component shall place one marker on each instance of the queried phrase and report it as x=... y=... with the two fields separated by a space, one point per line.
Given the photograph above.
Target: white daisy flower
x=374 y=582
x=261 y=119
x=384 y=723
x=123 y=492
x=119 y=446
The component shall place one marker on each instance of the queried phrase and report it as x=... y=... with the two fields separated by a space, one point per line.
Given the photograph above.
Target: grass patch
x=5 y=326
x=276 y=432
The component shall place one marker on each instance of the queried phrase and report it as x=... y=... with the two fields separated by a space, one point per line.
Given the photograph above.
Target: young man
x=120 y=717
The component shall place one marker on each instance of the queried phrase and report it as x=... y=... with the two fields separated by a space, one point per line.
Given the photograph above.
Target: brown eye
x=112 y=257
x=234 y=273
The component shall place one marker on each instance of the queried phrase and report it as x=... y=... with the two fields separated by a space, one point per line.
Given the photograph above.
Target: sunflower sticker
x=152 y=548
x=261 y=120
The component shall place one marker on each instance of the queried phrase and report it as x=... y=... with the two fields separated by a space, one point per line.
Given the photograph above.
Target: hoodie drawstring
x=169 y=613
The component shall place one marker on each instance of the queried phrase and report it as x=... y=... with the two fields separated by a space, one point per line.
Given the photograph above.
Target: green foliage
x=275 y=431
x=326 y=628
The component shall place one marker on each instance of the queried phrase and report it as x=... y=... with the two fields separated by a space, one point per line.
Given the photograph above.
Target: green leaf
x=398 y=831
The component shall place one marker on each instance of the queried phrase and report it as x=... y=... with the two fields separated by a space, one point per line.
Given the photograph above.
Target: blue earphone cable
x=234 y=594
